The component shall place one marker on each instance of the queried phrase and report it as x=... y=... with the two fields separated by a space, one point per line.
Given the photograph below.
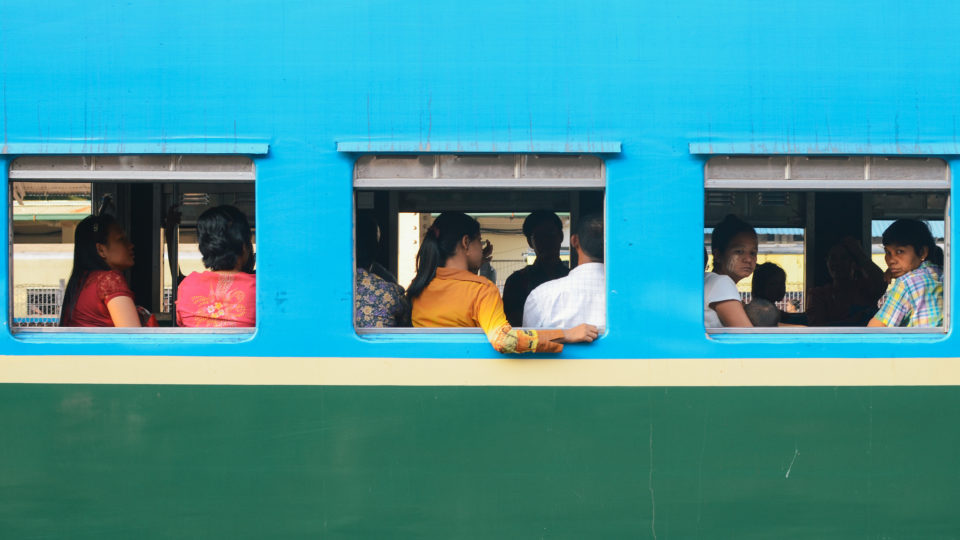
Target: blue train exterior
x=305 y=428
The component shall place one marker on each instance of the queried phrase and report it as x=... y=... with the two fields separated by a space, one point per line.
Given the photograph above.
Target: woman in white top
x=734 y=246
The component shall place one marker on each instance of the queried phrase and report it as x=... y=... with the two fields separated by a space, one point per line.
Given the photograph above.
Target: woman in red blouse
x=97 y=293
x=225 y=295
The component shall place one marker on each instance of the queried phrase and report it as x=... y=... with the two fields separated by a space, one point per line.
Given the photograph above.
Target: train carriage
x=815 y=121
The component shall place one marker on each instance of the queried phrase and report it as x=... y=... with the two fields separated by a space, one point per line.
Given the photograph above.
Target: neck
x=583 y=258
x=456 y=263
x=546 y=261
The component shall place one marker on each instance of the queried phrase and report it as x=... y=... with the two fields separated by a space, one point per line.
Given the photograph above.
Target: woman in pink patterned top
x=225 y=295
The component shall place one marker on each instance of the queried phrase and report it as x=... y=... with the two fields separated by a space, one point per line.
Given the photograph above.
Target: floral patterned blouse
x=212 y=299
x=379 y=303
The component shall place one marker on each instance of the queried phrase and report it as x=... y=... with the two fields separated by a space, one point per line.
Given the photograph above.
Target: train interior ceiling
x=50 y=195
x=803 y=206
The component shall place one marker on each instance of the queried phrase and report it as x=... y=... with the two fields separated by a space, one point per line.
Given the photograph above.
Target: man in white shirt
x=579 y=298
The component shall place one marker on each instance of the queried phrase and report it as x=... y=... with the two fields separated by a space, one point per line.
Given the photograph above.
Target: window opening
x=802 y=206
x=49 y=195
x=405 y=193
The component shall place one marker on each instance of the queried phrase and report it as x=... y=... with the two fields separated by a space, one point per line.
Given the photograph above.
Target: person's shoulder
x=394 y=288
x=928 y=269
x=245 y=278
x=712 y=279
x=103 y=274
x=519 y=275
x=199 y=277
x=550 y=288
x=463 y=275
x=192 y=276
x=109 y=275
x=719 y=285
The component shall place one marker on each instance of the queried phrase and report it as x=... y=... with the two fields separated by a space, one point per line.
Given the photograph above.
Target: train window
x=404 y=193
x=51 y=195
x=819 y=222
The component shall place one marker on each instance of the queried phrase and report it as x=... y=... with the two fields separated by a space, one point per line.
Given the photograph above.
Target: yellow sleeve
x=503 y=337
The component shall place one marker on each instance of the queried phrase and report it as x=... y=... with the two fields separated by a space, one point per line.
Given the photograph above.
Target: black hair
x=725 y=231
x=367 y=241
x=936 y=255
x=223 y=233
x=764 y=274
x=537 y=217
x=589 y=232
x=762 y=312
x=439 y=244
x=92 y=230
x=910 y=232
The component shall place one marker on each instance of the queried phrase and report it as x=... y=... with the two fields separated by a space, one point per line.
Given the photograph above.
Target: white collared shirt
x=579 y=298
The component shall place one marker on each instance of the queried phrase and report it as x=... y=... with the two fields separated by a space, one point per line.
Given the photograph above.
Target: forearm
x=508 y=340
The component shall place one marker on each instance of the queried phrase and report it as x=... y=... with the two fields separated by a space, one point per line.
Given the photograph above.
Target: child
x=769 y=282
x=762 y=313
x=915 y=297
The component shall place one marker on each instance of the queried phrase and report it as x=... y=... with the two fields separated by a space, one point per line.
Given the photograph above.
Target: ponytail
x=439 y=244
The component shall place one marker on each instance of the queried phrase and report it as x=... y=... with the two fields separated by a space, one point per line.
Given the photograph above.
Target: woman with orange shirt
x=447 y=292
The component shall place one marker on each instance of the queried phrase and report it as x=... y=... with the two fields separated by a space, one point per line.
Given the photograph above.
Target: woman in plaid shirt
x=915 y=297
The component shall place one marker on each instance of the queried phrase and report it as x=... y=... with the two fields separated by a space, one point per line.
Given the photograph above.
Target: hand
x=487 y=251
x=888 y=276
x=581 y=333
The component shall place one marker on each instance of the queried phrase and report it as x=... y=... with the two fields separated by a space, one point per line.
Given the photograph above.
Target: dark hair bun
x=222 y=233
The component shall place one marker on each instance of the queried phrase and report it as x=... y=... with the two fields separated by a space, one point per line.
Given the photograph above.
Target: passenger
x=762 y=312
x=544 y=232
x=734 y=246
x=769 y=282
x=936 y=255
x=447 y=292
x=915 y=297
x=97 y=294
x=377 y=302
x=851 y=298
x=224 y=296
x=581 y=297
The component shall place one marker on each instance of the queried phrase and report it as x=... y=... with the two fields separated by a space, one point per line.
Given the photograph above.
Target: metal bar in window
x=479 y=183
x=148 y=176
x=804 y=185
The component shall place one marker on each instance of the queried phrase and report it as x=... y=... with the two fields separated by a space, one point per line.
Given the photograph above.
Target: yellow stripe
x=480 y=372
